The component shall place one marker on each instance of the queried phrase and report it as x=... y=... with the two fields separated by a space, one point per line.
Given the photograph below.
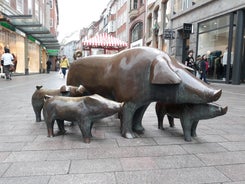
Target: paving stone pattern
x=28 y=156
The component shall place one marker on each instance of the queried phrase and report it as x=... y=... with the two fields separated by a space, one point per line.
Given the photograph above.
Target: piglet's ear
x=162 y=73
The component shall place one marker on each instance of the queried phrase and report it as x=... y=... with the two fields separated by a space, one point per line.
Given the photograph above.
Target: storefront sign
x=31 y=38
x=168 y=34
x=53 y=52
x=187 y=28
x=7 y=25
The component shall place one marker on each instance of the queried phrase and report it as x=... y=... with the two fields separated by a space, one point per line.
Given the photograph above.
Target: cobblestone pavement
x=28 y=156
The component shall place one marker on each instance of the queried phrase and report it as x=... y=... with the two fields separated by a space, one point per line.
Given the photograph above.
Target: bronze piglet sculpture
x=189 y=115
x=37 y=99
x=83 y=110
x=139 y=76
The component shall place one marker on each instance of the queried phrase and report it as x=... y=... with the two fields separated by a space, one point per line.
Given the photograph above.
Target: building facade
x=28 y=28
x=216 y=28
x=177 y=26
x=136 y=22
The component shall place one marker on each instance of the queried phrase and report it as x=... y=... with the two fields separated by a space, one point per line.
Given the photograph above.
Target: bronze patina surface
x=37 y=99
x=189 y=115
x=83 y=110
x=139 y=76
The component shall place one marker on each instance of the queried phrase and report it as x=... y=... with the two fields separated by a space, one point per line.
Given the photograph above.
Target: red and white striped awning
x=104 y=41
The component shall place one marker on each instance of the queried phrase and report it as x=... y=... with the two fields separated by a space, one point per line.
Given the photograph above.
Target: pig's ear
x=38 y=87
x=162 y=73
x=64 y=88
x=81 y=89
x=46 y=97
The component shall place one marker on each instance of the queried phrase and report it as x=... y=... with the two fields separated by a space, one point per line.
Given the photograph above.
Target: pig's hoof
x=187 y=139
x=139 y=129
x=61 y=132
x=128 y=135
x=194 y=135
x=87 y=140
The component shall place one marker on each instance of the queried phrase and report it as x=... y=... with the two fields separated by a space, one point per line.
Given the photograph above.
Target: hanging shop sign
x=168 y=34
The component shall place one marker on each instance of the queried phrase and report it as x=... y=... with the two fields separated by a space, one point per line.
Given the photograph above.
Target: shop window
x=213 y=36
x=137 y=32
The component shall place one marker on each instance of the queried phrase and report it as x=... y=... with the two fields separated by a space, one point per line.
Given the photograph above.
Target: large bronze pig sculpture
x=189 y=115
x=37 y=99
x=83 y=110
x=139 y=76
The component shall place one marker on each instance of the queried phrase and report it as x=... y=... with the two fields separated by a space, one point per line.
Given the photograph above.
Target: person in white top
x=224 y=62
x=7 y=60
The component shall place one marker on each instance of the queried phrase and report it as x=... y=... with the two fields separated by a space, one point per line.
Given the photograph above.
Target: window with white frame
x=20 y=5
x=51 y=3
x=7 y=1
x=186 y=4
x=30 y=7
x=37 y=9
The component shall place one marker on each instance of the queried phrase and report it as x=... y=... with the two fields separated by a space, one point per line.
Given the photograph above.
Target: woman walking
x=64 y=65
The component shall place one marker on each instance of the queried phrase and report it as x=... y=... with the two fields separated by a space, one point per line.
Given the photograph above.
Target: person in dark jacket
x=48 y=66
x=203 y=70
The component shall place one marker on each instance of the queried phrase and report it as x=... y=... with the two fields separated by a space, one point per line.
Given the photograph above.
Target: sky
x=77 y=14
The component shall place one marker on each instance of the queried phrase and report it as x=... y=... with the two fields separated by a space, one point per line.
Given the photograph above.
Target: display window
x=33 y=57
x=213 y=40
x=15 y=43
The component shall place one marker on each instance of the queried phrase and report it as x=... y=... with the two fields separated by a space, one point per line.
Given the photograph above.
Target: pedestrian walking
x=203 y=68
x=48 y=63
x=8 y=65
x=64 y=65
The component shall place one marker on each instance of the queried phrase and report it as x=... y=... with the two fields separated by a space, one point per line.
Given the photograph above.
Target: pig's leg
x=160 y=115
x=186 y=126
x=128 y=111
x=171 y=121
x=137 y=119
x=85 y=127
x=61 y=127
x=50 y=127
x=37 y=110
x=193 y=128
